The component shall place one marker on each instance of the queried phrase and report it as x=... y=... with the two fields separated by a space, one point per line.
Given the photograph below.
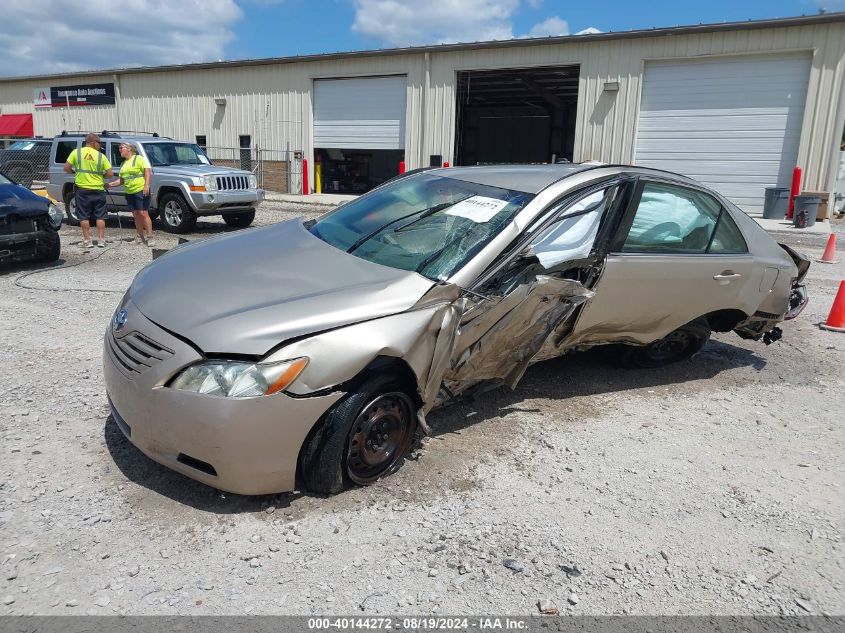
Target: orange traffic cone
x=836 y=318
x=829 y=255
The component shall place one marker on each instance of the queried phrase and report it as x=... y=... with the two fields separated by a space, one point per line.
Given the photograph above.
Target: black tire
x=239 y=220
x=52 y=250
x=339 y=452
x=676 y=346
x=176 y=215
x=70 y=208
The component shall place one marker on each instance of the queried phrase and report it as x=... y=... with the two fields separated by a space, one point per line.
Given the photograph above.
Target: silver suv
x=185 y=183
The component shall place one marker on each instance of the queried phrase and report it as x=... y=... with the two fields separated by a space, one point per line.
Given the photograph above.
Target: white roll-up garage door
x=733 y=123
x=360 y=113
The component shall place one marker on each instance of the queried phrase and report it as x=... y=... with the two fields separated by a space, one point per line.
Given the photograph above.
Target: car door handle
x=727 y=276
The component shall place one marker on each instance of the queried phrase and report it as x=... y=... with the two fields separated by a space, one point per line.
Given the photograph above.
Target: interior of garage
x=524 y=115
x=359 y=132
x=355 y=171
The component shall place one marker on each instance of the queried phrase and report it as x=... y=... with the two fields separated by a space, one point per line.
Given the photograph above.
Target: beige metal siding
x=606 y=124
x=273 y=102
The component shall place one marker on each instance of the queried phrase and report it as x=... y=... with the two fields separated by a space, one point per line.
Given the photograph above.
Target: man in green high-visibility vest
x=90 y=168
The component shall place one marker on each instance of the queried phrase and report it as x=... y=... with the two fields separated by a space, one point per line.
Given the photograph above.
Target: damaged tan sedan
x=308 y=353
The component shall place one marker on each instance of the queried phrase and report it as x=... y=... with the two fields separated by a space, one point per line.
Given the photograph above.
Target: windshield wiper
x=424 y=214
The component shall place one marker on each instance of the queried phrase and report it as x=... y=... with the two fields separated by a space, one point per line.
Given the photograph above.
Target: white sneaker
x=139 y=239
x=85 y=244
x=151 y=242
x=100 y=243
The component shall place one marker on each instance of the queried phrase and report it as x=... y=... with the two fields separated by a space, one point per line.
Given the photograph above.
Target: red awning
x=16 y=125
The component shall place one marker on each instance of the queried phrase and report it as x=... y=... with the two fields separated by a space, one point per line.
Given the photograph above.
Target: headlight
x=210 y=183
x=253 y=182
x=237 y=379
x=56 y=216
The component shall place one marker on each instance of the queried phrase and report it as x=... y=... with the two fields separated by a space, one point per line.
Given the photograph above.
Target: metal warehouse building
x=734 y=105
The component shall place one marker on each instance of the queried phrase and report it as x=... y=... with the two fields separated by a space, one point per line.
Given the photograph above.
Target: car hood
x=20 y=201
x=198 y=170
x=248 y=291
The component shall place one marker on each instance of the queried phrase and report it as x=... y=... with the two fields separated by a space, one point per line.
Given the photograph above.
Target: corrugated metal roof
x=539 y=41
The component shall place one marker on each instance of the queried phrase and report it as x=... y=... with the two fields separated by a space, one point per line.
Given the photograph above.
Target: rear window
x=727 y=238
x=23 y=146
x=63 y=150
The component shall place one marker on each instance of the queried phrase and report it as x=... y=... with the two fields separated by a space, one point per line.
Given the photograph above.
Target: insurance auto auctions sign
x=66 y=96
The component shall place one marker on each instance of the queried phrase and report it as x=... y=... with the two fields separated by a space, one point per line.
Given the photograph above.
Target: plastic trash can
x=776 y=203
x=806 y=208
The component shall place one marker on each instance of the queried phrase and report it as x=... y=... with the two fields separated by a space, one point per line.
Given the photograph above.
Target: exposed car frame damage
x=450 y=342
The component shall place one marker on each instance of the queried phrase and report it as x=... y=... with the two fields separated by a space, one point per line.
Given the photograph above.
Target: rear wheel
x=176 y=214
x=70 y=208
x=239 y=220
x=361 y=439
x=675 y=346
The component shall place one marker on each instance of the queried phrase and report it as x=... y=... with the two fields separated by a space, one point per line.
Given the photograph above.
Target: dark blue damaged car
x=29 y=225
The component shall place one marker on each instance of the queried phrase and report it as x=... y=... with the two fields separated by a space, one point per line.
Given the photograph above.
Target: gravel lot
x=711 y=487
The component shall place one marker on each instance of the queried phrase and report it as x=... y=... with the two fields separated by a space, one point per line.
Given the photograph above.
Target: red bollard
x=305 y=177
x=445 y=163
x=401 y=166
x=796 y=188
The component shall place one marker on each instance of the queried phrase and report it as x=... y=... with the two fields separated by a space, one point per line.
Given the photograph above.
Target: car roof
x=30 y=140
x=107 y=135
x=535 y=178
x=527 y=178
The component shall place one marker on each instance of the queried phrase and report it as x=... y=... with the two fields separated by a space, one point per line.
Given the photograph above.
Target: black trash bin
x=806 y=208
x=776 y=203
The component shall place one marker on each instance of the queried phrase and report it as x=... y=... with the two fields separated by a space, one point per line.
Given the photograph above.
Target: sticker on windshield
x=479 y=209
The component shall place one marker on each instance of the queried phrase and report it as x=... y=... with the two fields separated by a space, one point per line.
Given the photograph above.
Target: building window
x=202 y=141
x=244 y=142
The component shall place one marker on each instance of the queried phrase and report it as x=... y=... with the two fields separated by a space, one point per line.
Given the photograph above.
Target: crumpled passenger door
x=530 y=302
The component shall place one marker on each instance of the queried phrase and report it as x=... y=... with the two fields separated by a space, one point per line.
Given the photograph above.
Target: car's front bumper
x=19 y=247
x=211 y=202
x=246 y=446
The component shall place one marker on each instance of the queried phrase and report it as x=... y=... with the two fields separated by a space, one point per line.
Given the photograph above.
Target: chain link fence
x=276 y=170
x=27 y=162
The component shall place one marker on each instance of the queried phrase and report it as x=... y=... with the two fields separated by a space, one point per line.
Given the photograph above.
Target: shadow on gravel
x=592 y=373
x=28 y=267
x=145 y=472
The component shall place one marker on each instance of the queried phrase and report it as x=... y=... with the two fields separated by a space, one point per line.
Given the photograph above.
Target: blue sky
x=45 y=36
x=295 y=27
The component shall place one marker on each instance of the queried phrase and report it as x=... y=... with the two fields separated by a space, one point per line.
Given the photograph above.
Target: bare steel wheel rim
x=379 y=437
x=673 y=345
x=71 y=208
x=173 y=213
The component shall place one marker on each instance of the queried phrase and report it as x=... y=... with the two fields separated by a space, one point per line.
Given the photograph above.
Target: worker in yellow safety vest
x=135 y=174
x=90 y=168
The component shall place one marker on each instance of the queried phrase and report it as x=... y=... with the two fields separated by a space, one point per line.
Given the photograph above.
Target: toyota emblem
x=120 y=319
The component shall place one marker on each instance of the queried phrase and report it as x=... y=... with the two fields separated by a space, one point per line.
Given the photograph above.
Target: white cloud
x=550 y=26
x=48 y=36
x=590 y=30
x=830 y=5
x=398 y=23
